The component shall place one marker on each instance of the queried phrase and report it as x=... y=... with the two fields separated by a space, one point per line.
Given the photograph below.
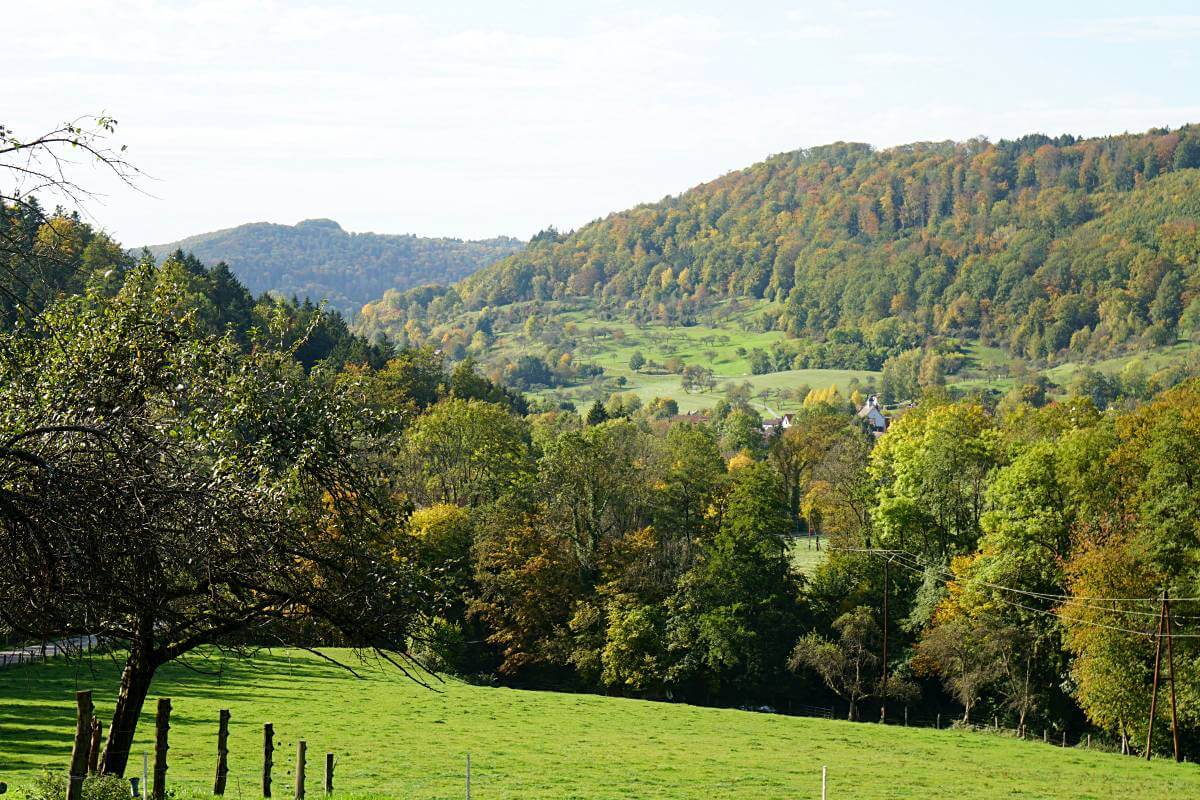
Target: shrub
x=53 y=786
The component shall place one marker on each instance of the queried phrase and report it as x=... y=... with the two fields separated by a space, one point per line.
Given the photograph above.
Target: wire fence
x=902 y=717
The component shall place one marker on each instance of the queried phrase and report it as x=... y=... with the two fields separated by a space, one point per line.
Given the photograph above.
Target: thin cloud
x=1134 y=30
x=895 y=59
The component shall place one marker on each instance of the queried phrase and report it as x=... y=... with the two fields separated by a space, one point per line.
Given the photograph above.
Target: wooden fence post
x=162 y=724
x=94 y=747
x=268 y=760
x=1089 y=744
x=1045 y=735
x=939 y=722
x=83 y=739
x=300 y=770
x=1064 y=738
x=222 y=753
x=329 y=773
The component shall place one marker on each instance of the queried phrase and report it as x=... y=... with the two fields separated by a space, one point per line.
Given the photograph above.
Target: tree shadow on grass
x=44 y=693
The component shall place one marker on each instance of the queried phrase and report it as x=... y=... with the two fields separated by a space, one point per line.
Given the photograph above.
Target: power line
x=1065 y=598
x=1039 y=595
x=903 y=558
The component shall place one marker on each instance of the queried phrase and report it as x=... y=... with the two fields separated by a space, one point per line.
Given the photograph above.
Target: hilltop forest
x=319 y=260
x=1051 y=248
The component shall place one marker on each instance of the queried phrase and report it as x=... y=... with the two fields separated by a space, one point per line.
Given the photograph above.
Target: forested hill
x=316 y=258
x=1045 y=246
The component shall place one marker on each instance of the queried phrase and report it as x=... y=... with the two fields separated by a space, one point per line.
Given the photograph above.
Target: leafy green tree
x=1187 y=153
x=760 y=362
x=900 y=381
x=736 y=612
x=593 y=489
x=695 y=378
x=1168 y=305
x=466 y=452
x=637 y=361
x=742 y=430
x=963 y=650
x=635 y=650
x=689 y=475
x=797 y=452
x=932 y=467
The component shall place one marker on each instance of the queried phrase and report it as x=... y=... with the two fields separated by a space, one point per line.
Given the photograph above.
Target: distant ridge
x=317 y=258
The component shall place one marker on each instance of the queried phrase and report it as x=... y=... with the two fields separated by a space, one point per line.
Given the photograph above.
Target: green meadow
x=805 y=556
x=725 y=336
x=395 y=739
x=721 y=342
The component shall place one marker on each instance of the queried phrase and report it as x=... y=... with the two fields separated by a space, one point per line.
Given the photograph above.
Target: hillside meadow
x=394 y=738
x=723 y=340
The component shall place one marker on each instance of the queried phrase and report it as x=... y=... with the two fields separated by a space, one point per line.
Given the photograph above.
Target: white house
x=873 y=414
x=776 y=425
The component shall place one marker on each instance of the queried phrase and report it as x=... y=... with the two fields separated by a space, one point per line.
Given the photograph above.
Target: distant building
x=776 y=425
x=872 y=414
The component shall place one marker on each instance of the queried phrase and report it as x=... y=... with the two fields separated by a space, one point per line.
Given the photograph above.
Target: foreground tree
x=163 y=491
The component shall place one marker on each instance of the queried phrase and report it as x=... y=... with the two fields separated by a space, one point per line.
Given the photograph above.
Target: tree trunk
x=135 y=685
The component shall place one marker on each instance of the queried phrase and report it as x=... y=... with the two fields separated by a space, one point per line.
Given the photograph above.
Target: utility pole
x=1171 y=665
x=1162 y=615
x=883 y=688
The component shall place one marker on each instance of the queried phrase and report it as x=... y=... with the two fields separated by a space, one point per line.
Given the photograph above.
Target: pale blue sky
x=479 y=118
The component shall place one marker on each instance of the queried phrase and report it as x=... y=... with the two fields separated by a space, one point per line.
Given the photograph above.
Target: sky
x=482 y=117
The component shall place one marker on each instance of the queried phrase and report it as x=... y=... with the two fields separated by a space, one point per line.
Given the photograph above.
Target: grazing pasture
x=393 y=738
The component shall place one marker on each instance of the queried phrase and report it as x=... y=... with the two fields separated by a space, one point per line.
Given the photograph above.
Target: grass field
x=395 y=739
x=805 y=555
x=715 y=345
x=1152 y=360
x=725 y=336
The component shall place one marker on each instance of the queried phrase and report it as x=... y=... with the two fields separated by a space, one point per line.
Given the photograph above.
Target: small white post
x=823 y=770
x=468 y=776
